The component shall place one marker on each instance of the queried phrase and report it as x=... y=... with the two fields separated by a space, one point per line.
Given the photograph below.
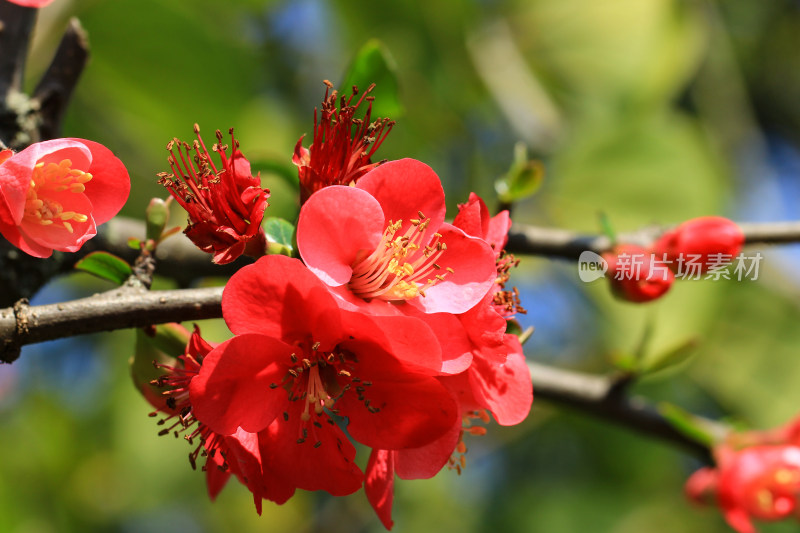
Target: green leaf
x=374 y=64
x=523 y=178
x=156 y=216
x=671 y=358
x=280 y=236
x=686 y=423
x=105 y=265
x=163 y=348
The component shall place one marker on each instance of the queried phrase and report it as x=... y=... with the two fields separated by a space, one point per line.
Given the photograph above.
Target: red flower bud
x=708 y=240
x=635 y=275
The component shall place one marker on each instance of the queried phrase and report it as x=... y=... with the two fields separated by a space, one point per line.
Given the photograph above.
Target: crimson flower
x=635 y=275
x=31 y=3
x=759 y=482
x=236 y=454
x=297 y=363
x=502 y=388
x=712 y=240
x=225 y=205
x=384 y=241
x=342 y=147
x=54 y=194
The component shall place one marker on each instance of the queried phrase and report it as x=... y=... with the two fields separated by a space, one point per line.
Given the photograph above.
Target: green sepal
x=280 y=236
x=523 y=178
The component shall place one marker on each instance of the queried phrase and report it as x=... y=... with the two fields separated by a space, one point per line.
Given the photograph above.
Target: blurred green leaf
x=374 y=64
x=686 y=423
x=670 y=358
x=105 y=265
x=523 y=178
x=156 y=217
x=162 y=344
x=280 y=236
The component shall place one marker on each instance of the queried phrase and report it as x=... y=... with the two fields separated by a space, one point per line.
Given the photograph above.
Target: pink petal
x=379 y=485
x=336 y=223
x=110 y=185
x=405 y=188
x=16 y=172
x=474 y=274
x=233 y=388
x=280 y=297
x=56 y=236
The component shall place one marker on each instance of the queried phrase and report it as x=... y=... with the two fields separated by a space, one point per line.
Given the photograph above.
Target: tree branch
x=126 y=307
x=564 y=244
x=55 y=88
x=600 y=397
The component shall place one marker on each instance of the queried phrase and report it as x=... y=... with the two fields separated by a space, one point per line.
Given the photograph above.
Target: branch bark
x=126 y=307
x=564 y=244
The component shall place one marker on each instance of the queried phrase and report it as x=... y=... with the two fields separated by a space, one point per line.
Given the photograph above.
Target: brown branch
x=600 y=397
x=126 y=307
x=55 y=88
x=564 y=244
x=16 y=114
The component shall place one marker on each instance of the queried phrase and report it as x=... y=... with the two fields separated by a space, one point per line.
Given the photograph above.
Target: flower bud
x=635 y=275
x=708 y=240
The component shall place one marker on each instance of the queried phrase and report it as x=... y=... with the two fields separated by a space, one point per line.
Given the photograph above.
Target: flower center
x=400 y=268
x=319 y=380
x=48 y=181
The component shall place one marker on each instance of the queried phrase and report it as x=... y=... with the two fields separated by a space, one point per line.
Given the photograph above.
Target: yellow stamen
x=51 y=178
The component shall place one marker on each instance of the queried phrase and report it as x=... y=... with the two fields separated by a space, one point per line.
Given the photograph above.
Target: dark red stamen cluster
x=343 y=145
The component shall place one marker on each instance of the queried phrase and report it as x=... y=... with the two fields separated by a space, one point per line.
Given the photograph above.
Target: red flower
x=503 y=388
x=298 y=360
x=343 y=145
x=711 y=240
x=236 y=454
x=385 y=241
x=761 y=482
x=225 y=204
x=635 y=276
x=53 y=194
x=31 y=3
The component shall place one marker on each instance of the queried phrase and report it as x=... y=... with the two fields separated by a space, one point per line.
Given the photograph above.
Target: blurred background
x=651 y=112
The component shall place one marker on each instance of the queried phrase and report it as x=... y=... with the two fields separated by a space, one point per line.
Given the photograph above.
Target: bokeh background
x=651 y=112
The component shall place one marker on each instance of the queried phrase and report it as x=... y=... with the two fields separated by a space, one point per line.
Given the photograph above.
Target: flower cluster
x=757 y=477
x=389 y=331
x=639 y=274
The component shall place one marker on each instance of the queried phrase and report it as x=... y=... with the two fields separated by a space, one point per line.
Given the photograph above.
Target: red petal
x=12 y=234
x=326 y=466
x=336 y=223
x=426 y=461
x=233 y=389
x=110 y=185
x=505 y=389
x=379 y=485
x=404 y=188
x=414 y=409
x=280 y=297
